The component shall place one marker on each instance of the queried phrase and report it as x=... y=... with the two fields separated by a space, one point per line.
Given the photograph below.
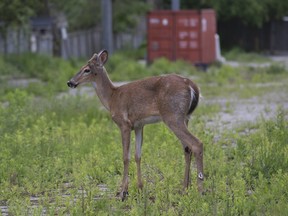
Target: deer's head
x=89 y=71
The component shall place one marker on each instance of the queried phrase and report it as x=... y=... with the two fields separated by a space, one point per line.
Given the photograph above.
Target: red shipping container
x=186 y=34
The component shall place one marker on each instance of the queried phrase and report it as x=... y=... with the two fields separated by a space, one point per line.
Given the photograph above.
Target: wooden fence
x=86 y=42
x=79 y=44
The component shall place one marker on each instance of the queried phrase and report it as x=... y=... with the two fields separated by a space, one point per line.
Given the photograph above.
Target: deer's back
x=154 y=96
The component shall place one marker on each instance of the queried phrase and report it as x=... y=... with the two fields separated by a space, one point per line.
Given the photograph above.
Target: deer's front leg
x=125 y=133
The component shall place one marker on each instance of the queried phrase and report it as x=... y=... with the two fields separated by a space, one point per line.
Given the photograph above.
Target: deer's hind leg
x=188 y=157
x=138 y=146
x=191 y=144
x=187 y=174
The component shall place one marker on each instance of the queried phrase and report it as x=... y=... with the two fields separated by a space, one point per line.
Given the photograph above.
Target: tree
x=83 y=14
x=15 y=13
x=248 y=12
x=126 y=12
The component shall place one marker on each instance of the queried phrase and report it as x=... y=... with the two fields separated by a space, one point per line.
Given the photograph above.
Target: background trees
x=249 y=12
x=83 y=14
x=14 y=13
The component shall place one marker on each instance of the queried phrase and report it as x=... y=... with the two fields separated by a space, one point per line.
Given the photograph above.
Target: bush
x=120 y=68
x=240 y=55
x=275 y=69
x=6 y=68
x=164 y=66
x=224 y=75
x=54 y=72
x=266 y=152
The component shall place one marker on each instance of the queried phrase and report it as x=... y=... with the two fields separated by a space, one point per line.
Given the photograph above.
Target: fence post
x=106 y=16
x=175 y=5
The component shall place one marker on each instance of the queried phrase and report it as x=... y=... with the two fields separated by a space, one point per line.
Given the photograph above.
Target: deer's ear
x=103 y=57
x=93 y=58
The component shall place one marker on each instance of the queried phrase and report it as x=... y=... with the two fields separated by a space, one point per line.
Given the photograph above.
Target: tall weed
x=53 y=72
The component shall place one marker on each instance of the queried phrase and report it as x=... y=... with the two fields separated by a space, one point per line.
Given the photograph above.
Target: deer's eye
x=87 y=70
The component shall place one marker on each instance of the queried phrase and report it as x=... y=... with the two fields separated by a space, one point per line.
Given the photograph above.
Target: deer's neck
x=104 y=88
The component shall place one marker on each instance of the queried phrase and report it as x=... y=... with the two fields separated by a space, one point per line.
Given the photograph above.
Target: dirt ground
x=249 y=110
x=240 y=111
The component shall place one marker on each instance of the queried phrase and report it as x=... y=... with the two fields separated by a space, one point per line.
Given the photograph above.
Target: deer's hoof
x=122 y=195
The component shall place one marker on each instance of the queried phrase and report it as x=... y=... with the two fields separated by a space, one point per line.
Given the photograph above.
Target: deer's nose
x=71 y=84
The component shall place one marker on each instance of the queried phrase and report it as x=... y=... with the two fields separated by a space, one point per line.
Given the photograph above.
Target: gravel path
x=235 y=112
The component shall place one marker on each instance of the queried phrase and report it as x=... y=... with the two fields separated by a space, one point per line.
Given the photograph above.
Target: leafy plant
x=276 y=69
x=239 y=55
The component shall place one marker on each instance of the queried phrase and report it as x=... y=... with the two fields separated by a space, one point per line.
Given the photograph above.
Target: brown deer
x=167 y=98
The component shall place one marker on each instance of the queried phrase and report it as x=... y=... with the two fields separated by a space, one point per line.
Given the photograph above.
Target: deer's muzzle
x=72 y=84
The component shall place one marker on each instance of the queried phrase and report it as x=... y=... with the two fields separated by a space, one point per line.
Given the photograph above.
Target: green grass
x=239 y=55
x=53 y=72
x=45 y=147
x=55 y=152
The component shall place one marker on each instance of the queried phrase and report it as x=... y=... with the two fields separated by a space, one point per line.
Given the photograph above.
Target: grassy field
x=63 y=156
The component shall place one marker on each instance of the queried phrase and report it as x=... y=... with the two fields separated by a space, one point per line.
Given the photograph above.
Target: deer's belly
x=147 y=120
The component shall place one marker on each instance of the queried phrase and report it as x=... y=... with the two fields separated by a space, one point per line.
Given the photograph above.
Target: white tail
x=169 y=98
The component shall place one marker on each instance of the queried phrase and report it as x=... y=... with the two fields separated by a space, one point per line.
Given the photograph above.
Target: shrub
x=6 y=68
x=164 y=66
x=121 y=68
x=224 y=75
x=240 y=55
x=54 y=72
x=275 y=69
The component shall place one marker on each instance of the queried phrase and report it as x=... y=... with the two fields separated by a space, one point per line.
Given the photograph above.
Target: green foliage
x=121 y=68
x=7 y=69
x=125 y=13
x=62 y=151
x=40 y=66
x=239 y=55
x=164 y=66
x=73 y=9
x=276 y=69
x=59 y=150
x=224 y=75
x=132 y=53
x=267 y=148
x=249 y=12
x=14 y=12
x=54 y=72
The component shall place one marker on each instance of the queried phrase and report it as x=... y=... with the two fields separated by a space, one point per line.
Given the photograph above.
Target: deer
x=167 y=98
